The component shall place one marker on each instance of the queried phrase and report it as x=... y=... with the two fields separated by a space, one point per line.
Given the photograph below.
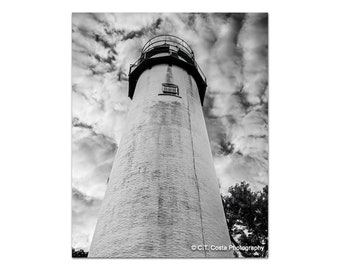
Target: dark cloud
x=242 y=99
x=226 y=148
x=77 y=123
x=100 y=138
x=85 y=199
x=122 y=76
x=148 y=30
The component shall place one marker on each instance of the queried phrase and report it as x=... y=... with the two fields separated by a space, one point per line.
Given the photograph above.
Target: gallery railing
x=171 y=45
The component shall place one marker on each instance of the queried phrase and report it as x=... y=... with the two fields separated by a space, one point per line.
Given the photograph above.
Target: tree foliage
x=79 y=253
x=247 y=218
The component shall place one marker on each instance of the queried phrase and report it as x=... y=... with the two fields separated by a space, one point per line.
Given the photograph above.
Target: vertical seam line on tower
x=193 y=159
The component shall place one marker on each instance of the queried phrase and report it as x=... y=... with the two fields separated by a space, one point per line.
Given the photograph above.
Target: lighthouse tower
x=163 y=199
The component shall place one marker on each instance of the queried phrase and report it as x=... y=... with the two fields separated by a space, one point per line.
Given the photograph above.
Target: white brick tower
x=162 y=198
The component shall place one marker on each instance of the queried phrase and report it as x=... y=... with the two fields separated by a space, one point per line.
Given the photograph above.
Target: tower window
x=169 y=88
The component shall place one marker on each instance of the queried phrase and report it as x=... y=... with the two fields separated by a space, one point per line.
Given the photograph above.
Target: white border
x=35 y=137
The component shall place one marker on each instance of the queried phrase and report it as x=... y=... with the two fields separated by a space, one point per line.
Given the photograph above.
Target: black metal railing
x=173 y=44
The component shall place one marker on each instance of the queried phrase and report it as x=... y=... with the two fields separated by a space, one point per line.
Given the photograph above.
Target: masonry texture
x=163 y=195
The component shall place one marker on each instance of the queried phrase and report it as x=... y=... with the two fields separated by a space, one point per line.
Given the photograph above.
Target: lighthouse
x=162 y=198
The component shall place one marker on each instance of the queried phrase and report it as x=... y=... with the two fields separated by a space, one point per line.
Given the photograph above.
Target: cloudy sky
x=231 y=49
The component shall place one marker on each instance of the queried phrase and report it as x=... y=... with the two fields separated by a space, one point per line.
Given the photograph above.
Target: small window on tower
x=169 y=88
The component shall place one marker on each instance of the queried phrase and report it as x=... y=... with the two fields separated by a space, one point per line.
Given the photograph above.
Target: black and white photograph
x=170 y=135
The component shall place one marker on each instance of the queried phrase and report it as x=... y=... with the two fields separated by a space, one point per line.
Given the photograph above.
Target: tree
x=79 y=253
x=247 y=218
